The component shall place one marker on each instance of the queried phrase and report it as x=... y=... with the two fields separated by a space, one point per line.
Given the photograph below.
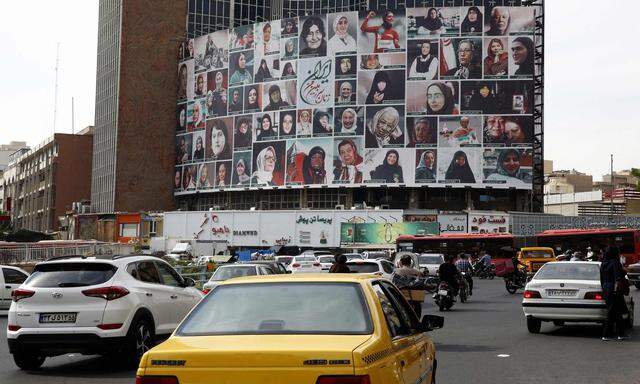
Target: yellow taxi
x=298 y=329
x=535 y=257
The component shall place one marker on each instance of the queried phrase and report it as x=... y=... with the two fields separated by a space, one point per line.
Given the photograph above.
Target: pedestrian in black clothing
x=340 y=266
x=612 y=277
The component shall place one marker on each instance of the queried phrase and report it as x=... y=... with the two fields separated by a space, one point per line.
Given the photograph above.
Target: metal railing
x=36 y=252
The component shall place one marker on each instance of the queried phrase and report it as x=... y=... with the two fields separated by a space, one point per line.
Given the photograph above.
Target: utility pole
x=73 y=117
x=612 y=185
x=55 y=96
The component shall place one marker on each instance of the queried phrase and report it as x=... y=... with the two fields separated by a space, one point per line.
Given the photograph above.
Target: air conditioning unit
x=340 y=207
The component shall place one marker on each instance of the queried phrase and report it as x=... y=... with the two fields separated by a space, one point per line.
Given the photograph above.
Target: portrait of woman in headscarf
x=508 y=168
x=265 y=168
x=240 y=176
x=307 y=168
x=342 y=41
x=426 y=169
x=346 y=167
x=389 y=171
x=459 y=169
x=473 y=22
x=384 y=129
x=440 y=100
x=522 y=50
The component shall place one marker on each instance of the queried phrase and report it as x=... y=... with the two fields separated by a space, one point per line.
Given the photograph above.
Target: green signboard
x=383 y=233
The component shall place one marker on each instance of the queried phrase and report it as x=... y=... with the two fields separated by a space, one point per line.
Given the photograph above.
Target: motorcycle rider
x=485 y=260
x=517 y=271
x=464 y=265
x=449 y=274
x=406 y=269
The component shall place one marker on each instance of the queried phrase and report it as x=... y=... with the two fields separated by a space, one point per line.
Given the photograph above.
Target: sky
x=591 y=77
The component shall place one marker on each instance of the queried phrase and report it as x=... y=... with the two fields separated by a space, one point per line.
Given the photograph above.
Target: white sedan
x=382 y=268
x=567 y=292
x=304 y=264
x=326 y=261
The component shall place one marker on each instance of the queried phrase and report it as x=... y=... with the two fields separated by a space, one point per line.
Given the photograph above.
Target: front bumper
x=60 y=344
x=589 y=312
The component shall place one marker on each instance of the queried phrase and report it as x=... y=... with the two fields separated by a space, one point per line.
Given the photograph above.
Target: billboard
x=382 y=233
x=439 y=96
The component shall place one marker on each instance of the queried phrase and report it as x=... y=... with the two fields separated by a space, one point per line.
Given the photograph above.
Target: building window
x=129 y=230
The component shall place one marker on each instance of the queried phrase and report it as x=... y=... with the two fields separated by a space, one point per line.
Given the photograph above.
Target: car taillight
x=343 y=380
x=156 y=380
x=107 y=293
x=532 y=295
x=593 y=296
x=19 y=294
x=316 y=264
x=295 y=265
x=13 y=328
x=110 y=326
x=206 y=290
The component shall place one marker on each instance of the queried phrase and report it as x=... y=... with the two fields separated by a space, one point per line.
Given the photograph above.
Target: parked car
x=230 y=271
x=277 y=267
x=381 y=268
x=93 y=306
x=10 y=278
x=334 y=340
x=633 y=273
x=326 y=261
x=429 y=263
x=567 y=292
x=304 y=264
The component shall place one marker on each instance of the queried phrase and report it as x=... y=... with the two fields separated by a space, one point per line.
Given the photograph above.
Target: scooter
x=444 y=298
x=514 y=281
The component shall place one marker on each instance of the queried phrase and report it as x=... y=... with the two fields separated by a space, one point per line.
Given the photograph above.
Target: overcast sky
x=591 y=94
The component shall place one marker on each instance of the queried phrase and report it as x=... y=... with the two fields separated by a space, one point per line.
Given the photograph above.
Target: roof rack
x=116 y=257
x=66 y=257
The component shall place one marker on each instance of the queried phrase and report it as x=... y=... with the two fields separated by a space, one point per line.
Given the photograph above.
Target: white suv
x=91 y=305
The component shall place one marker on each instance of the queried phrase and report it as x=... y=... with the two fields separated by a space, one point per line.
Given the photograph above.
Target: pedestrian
x=612 y=279
x=340 y=266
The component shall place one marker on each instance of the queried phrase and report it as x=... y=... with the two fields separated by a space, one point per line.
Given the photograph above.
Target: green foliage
x=636 y=173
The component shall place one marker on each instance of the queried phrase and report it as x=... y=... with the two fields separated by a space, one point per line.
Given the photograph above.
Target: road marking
x=503 y=355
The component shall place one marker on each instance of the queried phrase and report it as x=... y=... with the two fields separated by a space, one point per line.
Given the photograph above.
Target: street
x=483 y=341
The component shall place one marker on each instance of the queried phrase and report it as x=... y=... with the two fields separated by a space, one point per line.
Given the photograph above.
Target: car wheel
x=512 y=289
x=28 y=361
x=533 y=325
x=558 y=323
x=139 y=339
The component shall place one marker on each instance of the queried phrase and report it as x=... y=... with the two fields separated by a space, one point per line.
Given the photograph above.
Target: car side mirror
x=431 y=322
x=189 y=282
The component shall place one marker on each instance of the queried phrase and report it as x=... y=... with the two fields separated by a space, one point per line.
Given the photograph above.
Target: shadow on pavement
x=91 y=367
x=584 y=331
x=463 y=348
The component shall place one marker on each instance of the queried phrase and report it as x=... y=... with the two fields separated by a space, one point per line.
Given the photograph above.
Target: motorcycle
x=444 y=298
x=464 y=287
x=483 y=272
x=515 y=281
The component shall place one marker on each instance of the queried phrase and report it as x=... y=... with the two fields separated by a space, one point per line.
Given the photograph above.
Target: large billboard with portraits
x=433 y=96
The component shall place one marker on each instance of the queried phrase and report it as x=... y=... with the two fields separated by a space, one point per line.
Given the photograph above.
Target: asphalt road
x=483 y=341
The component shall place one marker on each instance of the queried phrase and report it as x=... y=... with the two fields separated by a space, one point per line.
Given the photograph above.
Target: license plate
x=561 y=292
x=58 y=318
x=442 y=292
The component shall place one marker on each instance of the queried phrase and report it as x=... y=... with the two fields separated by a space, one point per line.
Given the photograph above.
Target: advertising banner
x=453 y=222
x=382 y=234
x=531 y=224
x=480 y=222
x=431 y=95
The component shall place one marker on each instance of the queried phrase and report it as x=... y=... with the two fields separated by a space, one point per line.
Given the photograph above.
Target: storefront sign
x=453 y=222
x=488 y=222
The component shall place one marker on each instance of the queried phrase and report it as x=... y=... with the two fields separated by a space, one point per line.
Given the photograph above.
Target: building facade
x=135 y=104
x=42 y=183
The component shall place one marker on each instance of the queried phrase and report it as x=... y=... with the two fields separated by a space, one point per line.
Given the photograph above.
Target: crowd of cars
x=122 y=305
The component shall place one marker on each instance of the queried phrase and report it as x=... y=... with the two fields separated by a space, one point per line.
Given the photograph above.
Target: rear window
x=305 y=258
x=352 y=256
x=537 y=254
x=326 y=259
x=280 y=308
x=569 y=271
x=363 y=267
x=226 y=273
x=430 y=259
x=61 y=275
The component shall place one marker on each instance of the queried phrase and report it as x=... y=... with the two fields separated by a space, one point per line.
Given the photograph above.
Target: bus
x=597 y=239
x=455 y=243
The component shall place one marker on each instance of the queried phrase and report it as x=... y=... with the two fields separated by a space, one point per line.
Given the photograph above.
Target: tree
x=636 y=173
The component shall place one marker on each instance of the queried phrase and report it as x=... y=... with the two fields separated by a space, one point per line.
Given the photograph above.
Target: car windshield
x=352 y=256
x=436 y=259
x=363 y=267
x=326 y=259
x=305 y=258
x=63 y=275
x=539 y=254
x=226 y=273
x=568 y=271
x=286 y=260
x=280 y=308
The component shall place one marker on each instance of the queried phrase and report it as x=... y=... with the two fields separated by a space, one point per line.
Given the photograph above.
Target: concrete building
x=594 y=203
x=136 y=79
x=8 y=149
x=621 y=179
x=547 y=166
x=42 y=183
x=568 y=182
